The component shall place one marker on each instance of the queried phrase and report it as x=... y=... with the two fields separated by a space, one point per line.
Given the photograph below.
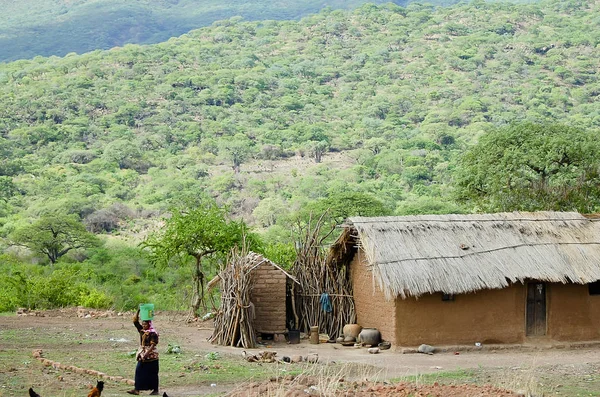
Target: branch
x=201 y=254
x=61 y=253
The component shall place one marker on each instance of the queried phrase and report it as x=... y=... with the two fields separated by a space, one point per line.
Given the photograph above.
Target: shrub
x=95 y=299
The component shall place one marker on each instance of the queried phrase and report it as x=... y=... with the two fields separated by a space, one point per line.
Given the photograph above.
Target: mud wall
x=572 y=313
x=372 y=309
x=488 y=317
x=268 y=296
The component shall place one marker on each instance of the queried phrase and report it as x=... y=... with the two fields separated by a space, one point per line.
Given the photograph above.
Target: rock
x=296 y=359
x=373 y=350
x=312 y=358
x=426 y=349
x=278 y=338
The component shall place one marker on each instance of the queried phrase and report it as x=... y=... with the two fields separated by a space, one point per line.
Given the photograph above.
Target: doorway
x=536 y=309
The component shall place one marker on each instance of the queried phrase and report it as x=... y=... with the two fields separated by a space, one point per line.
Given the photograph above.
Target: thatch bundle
x=415 y=255
x=315 y=278
x=233 y=322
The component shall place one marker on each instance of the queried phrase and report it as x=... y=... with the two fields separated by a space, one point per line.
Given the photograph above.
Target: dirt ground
x=555 y=369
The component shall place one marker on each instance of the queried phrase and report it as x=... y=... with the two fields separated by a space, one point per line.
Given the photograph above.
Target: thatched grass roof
x=415 y=255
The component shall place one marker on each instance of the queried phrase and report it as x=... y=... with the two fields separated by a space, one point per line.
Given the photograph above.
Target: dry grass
x=326 y=380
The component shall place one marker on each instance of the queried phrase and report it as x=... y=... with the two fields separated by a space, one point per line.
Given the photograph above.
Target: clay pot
x=351 y=330
x=370 y=336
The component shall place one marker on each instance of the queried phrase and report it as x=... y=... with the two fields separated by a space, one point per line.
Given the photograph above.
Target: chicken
x=32 y=393
x=97 y=391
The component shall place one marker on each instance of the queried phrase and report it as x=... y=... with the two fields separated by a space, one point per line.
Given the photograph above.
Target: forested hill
x=29 y=28
x=271 y=116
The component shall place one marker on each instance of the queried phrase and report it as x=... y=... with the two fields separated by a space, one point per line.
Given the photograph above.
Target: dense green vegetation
x=532 y=167
x=272 y=119
x=29 y=28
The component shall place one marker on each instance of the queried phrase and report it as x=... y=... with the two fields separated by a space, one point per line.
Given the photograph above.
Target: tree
x=54 y=235
x=317 y=149
x=237 y=149
x=339 y=206
x=532 y=167
x=269 y=210
x=7 y=188
x=197 y=233
x=123 y=152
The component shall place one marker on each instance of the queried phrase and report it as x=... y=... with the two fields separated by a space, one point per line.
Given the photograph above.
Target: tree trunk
x=198 y=289
x=52 y=254
x=318 y=155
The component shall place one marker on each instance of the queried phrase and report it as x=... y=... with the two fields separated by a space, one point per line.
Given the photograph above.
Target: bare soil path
x=562 y=370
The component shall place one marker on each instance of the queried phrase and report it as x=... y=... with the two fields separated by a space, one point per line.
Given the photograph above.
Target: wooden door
x=536 y=309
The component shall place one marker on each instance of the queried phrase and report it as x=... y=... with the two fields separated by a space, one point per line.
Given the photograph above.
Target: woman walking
x=146 y=371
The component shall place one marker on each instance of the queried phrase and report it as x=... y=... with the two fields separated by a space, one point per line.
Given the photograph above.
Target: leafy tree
x=123 y=152
x=237 y=149
x=197 y=233
x=269 y=210
x=54 y=235
x=284 y=254
x=7 y=188
x=316 y=149
x=428 y=205
x=340 y=206
x=532 y=167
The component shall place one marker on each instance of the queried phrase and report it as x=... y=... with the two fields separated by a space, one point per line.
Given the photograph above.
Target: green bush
x=32 y=287
x=115 y=277
x=95 y=299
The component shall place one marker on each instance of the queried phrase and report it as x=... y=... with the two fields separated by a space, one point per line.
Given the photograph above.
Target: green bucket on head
x=146 y=311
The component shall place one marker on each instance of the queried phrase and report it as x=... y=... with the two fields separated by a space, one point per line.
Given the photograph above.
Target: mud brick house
x=268 y=294
x=488 y=278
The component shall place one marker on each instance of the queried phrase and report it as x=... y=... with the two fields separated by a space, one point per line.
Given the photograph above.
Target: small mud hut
x=253 y=300
x=463 y=279
x=270 y=284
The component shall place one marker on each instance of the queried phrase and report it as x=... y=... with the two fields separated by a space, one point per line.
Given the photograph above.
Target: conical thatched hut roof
x=415 y=255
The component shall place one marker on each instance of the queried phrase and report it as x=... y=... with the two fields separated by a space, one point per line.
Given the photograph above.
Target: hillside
x=394 y=93
x=29 y=28
x=366 y=109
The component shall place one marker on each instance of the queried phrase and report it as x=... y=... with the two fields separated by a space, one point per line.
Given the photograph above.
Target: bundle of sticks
x=315 y=278
x=233 y=322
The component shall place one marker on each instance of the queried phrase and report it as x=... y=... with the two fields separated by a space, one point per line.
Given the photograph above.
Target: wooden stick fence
x=233 y=322
x=315 y=278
